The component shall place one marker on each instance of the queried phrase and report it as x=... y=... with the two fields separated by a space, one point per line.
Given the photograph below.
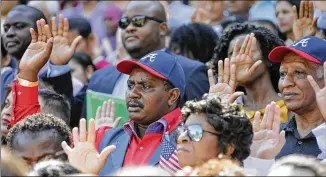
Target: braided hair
x=37 y=123
x=267 y=40
x=199 y=39
x=232 y=124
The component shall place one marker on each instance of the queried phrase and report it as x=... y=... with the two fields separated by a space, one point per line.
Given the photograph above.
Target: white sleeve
x=257 y=167
x=320 y=134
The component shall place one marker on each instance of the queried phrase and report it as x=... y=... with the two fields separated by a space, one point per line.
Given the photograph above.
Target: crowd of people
x=212 y=88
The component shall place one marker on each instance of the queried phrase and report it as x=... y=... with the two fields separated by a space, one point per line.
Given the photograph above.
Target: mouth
x=5 y=122
x=131 y=38
x=289 y=95
x=11 y=44
x=134 y=107
x=181 y=149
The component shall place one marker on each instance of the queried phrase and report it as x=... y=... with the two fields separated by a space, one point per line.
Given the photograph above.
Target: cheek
x=206 y=148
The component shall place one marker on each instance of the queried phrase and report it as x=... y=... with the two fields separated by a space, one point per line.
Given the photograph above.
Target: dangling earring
x=220 y=156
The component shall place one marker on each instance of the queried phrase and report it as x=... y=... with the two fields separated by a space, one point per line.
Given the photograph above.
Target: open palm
x=38 y=52
x=62 y=51
x=84 y=155
x=305 y=25
x=244 y=60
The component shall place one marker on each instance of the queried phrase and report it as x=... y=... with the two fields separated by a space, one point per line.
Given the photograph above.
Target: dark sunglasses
x=138 y=21
x=194 y=132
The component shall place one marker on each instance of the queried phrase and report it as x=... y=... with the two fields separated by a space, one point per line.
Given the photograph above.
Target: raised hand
x=200 y=15
x=37 y=53
x=268 y=141
x=320 y=93
x=62 y=51
x=105 y=116
x=84 y=155
x=226 y=82
x=306 y=25
x=244 y=60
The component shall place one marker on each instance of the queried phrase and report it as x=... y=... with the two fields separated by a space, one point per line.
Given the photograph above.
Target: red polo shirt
x=140 y=150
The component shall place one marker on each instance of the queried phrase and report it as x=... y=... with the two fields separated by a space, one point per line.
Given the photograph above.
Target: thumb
x=281 y=141
x=75 y=42
x=105 y=153
x=116 y=122
x=254 y=67
x=234 y=96
x=65 y=147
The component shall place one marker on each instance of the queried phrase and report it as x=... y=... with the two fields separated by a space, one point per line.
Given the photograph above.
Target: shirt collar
x=291 y=126
x=166 y=124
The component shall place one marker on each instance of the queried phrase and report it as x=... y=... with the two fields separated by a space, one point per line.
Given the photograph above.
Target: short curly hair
x=264 y=36
x=229 y=121
x=37 y=123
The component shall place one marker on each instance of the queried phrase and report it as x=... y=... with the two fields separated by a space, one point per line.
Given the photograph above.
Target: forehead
x=140 y=8
x=138 y=74
x=17 y=16
x=292 y=59
x=28 y=141
x=283 y=4
x=196 y=118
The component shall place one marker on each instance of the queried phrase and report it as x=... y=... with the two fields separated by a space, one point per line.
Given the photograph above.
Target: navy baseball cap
x=310 y=48
x=160 y=64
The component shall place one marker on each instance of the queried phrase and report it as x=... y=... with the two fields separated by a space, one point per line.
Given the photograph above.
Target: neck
x=308 y=121
x=290 y=35
x=260 y=93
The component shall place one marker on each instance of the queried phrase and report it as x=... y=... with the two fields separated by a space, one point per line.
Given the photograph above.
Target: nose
x=286 y=82
x=130 y=28
x=10 y=33
x=183 y=138
x=133 y=93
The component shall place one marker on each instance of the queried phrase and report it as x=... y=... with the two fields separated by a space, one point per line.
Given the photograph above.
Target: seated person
x=39 y=137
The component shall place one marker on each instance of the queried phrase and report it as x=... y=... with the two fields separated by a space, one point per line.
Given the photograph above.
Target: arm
x=320 y=135
x=25 y=88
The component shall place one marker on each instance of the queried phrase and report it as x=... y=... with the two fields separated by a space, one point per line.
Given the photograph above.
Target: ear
x=89 y=71
x=229 y=150
x=163 y=29
x=174 y=95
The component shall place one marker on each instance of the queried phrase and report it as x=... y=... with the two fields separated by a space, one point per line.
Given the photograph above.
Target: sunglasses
x=137 y=21
x=194 y=132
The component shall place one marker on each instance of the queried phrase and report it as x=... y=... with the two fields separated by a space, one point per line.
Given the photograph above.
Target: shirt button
x=141 y=148
x=299 y=142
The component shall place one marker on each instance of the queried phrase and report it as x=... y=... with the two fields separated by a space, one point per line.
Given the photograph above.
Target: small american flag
x=169 y=159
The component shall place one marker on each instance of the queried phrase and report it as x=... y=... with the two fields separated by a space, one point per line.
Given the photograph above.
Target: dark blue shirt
x=296 y=145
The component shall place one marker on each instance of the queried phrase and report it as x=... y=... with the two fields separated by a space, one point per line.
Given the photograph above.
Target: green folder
x=96 y=99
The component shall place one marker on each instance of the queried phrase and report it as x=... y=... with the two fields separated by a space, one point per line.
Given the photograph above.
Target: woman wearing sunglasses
x=212 y=130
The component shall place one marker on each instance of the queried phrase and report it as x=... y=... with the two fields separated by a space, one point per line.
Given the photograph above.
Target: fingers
x=91 y=131
x=306 y=9
x=66 y=148
x=270 y=116
x=281 y=141
x=98 y=113
x=82 y=130
x=112 y=110
x=313 y=83
x=256 y=123
x=75 y=42
x=60 y=28
x=277 y=119
x=252 y=47
x=295 y=13
x=244 y=45
x=39 y=30
x=263 y=123
x=211 y=78
x=235 y=48
x=248 y=46
x=47 y=31
x=65 y=27
x=33 y=34
x=301 y=11
x=48 y=49
x=232 y=82
x=104 y=107
x=234 y=96
x=314 y=24
x=54 y=27
x=226 y=74
x=108 y=108
x=116 y=122
x=220 y=71
x=75 y=136
x=105 y=153
x=311 y=9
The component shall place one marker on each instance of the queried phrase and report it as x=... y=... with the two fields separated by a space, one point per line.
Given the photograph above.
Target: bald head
x=32 y=12
x=155 y=8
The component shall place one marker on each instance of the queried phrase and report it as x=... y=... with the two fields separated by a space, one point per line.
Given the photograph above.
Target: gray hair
x=320 y=72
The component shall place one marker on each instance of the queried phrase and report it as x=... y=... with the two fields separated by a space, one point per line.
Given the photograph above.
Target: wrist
x=26 y=83
x=28 y=76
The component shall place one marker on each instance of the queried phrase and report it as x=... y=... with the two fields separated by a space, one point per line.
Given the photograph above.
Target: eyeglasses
x=138 y=21
x=194 y=132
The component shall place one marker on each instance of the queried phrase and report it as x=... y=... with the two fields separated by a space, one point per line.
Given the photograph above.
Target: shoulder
x=103 y=72
x=111 y=136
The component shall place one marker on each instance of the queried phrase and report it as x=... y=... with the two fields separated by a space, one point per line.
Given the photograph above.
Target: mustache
x=135 y=103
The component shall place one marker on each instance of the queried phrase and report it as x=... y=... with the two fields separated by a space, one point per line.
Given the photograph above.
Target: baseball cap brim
x=278 y=53
x=126 y=66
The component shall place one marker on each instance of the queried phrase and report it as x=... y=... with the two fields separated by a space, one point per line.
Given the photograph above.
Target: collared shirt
x=297 y=145
x=139 y=150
